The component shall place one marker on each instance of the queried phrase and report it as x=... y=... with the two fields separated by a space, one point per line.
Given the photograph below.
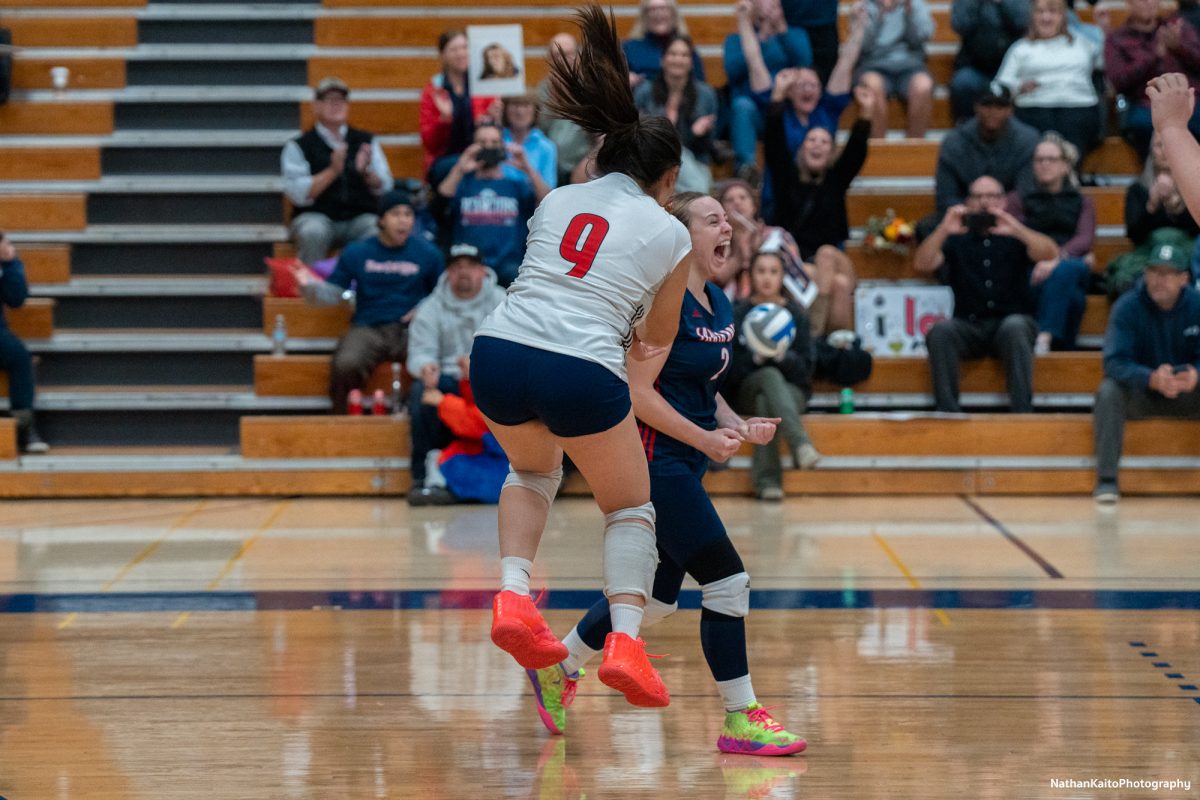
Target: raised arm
x=1171 y=105
x=843 y=70
x=756 y=67
x=929 y=255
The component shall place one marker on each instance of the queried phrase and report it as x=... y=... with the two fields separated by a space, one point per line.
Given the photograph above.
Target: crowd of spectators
x=1032 y=92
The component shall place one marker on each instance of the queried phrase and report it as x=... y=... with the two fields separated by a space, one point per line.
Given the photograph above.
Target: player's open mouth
x=722 y=251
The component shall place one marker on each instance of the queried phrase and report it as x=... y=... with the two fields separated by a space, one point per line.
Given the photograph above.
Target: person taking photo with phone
x=986 y=256
x=490 y=207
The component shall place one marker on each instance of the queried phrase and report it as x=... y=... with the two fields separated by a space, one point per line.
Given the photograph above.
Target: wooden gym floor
x=315 y=648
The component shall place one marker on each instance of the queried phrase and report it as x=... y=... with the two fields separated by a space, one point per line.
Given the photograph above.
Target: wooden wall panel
x=30 y=72
x=46 y=263
x=8 y=434
x=304 y=320
x=73 y=31
x=43 y=212
x=34 y=320
x=65 y=117
x=386 y=117
x=324 y=437
x=1073 y=373
x=49 y=163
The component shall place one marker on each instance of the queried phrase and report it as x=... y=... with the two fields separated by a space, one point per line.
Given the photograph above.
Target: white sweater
x=1061 y=67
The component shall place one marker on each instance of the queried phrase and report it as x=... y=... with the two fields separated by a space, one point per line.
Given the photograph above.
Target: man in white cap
x=334 y=175
x=442 y=330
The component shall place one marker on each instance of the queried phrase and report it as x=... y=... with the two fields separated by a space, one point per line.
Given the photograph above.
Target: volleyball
x=768 y=330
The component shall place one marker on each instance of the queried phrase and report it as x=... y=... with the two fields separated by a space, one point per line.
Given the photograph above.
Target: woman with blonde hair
x=1049 y=72
x=1057 y=208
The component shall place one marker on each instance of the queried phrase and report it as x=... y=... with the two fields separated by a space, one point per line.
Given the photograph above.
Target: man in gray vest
x=334 y=175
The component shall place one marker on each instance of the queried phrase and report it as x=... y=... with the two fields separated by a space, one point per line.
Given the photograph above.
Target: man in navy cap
x=385 y=277
x=1151 y=357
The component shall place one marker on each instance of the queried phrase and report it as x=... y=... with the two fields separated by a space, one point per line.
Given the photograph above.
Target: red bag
x=283 y=277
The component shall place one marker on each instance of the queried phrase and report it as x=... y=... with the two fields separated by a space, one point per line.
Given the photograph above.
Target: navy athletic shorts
x=515 y=383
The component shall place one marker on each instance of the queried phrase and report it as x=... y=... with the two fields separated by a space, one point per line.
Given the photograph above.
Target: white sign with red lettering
x=892 y=319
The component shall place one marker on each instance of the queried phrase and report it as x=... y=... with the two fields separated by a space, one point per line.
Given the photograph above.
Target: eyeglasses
x=986 y=195
x=1047 y=159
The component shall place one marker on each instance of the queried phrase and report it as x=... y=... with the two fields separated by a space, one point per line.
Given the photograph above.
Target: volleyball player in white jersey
x=604 y=274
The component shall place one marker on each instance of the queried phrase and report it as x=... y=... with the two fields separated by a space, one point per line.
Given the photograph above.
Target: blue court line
x=1046 y=566
x=578 y=599
x=1171 y=676
x=172 y=698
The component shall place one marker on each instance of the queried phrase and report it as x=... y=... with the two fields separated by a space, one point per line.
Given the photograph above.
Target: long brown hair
x=680 y=206
x=594 y=93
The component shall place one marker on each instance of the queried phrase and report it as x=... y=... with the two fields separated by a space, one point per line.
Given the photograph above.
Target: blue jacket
x=788 y=49
x=388 y=281
x=13 y=287
x=1141 y=336
x=645 y=57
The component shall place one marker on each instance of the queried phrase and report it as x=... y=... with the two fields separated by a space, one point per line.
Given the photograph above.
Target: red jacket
x=435 y=131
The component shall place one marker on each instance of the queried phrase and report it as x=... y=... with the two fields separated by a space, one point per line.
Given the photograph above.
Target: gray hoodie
x=444 y=325
x=895 y=41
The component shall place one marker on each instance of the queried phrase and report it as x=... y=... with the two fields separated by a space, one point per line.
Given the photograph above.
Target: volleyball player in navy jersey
x=684 y=422
x=548 y=365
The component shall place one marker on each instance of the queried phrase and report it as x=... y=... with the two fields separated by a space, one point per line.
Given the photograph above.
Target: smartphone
x=979 y=221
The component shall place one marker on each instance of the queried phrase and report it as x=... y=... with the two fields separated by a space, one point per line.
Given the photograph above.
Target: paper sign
x=892 y=319
x=497 y=60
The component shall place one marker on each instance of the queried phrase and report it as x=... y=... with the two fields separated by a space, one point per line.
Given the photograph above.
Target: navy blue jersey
x=690 y=379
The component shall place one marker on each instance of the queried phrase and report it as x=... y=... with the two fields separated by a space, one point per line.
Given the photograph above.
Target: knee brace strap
x=729 y=596
x=657 y=611
x=630 y=551
x=543 y=484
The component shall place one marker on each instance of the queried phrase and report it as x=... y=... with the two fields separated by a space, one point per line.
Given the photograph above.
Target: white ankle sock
x=578 y=653
x=626 y=619
x=514 y=574
x=737 y=694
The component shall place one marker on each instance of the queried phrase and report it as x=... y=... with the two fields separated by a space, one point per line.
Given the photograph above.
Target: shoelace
x=761 y=717
x=568 y=691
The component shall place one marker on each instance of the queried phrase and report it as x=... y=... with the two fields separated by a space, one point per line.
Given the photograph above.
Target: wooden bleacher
x=891 y=454
x=913 y=453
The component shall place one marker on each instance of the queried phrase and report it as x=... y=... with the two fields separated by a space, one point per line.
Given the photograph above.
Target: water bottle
x=847 y=403
x=397 y=400
x=279 y=337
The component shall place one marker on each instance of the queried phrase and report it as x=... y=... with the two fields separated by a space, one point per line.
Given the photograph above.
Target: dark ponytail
x=594 y=93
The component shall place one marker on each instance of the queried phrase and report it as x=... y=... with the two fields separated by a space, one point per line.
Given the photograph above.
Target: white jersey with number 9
x=597 y=254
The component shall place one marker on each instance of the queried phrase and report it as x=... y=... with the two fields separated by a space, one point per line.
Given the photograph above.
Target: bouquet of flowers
x=888 y=232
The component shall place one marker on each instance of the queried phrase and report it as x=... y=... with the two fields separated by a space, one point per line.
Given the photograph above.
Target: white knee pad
x=657 y=611
x=729 y=596
x=630 y=552
x=543 y=484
